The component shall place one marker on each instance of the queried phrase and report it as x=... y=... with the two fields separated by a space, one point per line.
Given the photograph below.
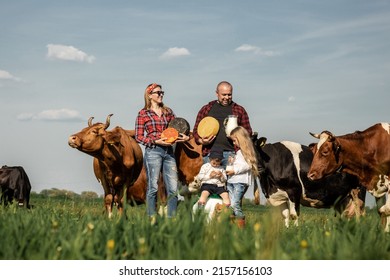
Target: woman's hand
x=162 y=142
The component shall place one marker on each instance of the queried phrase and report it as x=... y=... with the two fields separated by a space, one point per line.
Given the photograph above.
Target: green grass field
x=64 y=229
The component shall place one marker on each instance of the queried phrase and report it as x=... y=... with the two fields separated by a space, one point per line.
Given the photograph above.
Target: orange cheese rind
x=171 y=134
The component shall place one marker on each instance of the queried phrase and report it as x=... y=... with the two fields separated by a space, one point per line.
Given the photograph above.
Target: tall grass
x=79 y=229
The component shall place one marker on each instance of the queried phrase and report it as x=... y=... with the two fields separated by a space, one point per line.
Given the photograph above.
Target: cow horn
x=107 y=121
x=315 y=135
x=90 y=121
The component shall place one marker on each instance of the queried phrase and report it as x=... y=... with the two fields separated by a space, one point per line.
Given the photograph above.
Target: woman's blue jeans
x=162 y=159
x=236 y=193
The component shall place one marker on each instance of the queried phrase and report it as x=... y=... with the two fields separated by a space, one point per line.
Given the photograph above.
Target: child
x=244 y=168
x=213 y=178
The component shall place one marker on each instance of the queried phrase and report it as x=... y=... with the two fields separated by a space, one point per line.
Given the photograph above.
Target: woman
x=151 y=121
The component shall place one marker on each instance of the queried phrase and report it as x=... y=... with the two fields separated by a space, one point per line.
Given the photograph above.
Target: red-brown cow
x=189 y=161
x=117 y=162
x=365 y=154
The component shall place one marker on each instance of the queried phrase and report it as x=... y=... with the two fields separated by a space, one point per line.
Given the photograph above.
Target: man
x=221 y=109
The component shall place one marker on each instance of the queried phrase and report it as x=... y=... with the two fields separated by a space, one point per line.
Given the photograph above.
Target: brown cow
x=117 y=163
x=365 y=154
x=189 y=161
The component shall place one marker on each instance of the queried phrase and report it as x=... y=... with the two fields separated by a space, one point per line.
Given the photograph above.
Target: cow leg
x=286 y=206
x=119 y=203
x=294 y=212
x=354 y=207
x=284 y=209
x=380 y=202
x=119 y=199
x=383 y=206
x=108 y=203
x=385 y=222
x=8 y=196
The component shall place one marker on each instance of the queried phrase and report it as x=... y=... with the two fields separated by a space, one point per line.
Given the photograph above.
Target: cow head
x=90 y=140
x=327 y=156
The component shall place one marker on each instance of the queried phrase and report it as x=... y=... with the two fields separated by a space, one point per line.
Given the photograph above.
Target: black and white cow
x=283 y=178
x=14 y=184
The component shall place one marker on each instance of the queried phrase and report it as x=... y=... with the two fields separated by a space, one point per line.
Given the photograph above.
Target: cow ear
x=261 y=142
x=101 y=132
x=111 y=137
x=117 y=138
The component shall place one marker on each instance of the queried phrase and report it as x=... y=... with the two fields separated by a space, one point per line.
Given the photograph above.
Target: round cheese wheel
x=171 y=134
x=207 y=127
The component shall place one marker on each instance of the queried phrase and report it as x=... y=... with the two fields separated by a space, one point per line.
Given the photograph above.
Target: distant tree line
x=57 y=193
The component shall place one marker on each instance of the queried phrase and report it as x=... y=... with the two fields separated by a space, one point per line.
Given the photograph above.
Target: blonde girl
x=244 y=169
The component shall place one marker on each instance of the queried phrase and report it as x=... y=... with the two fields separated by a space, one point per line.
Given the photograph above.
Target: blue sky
x=296 y=66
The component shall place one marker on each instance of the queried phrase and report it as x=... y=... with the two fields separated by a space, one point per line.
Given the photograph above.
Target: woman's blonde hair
x=148 y=103
x=247 y=148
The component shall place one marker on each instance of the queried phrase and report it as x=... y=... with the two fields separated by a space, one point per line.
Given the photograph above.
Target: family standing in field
x=217 y=148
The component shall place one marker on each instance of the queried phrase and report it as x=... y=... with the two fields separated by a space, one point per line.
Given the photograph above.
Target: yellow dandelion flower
x=110 y=244
x=90 y=226
x=141 y=240
x=304 y=244
x=54 y=224
x=257 y=227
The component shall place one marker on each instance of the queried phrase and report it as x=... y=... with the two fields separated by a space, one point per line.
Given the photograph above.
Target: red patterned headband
x=151 y=87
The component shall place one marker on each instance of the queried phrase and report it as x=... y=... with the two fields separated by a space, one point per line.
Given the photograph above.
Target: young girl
x=244 y=168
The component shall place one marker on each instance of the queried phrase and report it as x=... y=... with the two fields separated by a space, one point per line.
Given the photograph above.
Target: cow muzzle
x=74 y=141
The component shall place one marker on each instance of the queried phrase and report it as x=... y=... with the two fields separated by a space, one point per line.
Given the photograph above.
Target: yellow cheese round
x=207 y=127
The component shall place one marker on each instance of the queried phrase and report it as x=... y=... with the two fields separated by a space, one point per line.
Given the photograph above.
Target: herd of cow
x=335 y=172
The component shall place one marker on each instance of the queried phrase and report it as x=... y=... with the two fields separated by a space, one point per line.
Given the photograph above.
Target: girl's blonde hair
x=247 y=148
x=148 y=103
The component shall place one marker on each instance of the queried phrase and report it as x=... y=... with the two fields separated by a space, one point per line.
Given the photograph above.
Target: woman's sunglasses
x=159 y=93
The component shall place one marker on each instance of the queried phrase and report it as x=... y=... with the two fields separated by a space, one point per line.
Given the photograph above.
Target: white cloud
x=256 y=50
x=5 y=75
x=247 y=48
x=62 y=52
x=59 y=115
x=291 y=99
x=175 y=52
